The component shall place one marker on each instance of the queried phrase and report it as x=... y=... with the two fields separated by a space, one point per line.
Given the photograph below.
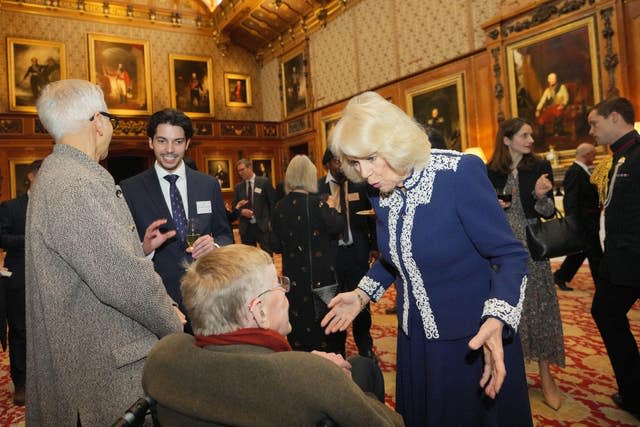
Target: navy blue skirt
x=438 y=384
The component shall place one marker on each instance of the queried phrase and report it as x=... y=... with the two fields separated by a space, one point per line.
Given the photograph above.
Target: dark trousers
x=17 y=334
x=253 y=236
x=367 y=374
x=571 y=264
x=611 y=303
x=352 y=263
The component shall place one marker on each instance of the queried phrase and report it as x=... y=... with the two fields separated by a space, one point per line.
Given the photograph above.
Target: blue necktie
x=177 y=208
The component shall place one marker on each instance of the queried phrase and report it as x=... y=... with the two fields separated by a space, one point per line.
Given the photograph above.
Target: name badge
x=257 y=190
x=203 y=207
x=353 y=197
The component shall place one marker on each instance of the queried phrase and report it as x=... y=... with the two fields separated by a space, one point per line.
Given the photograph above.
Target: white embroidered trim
x=505 y=311
x=372 y=288
x=419 y=187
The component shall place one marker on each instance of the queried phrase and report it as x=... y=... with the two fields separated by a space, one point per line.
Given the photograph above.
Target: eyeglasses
x=112 y=118
x=284 y=284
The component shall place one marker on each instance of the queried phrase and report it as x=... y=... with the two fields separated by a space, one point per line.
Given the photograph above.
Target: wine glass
x=193 y=231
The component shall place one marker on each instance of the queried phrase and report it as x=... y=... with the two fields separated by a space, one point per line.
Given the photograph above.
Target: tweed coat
x=95 y=306
x=249 y=385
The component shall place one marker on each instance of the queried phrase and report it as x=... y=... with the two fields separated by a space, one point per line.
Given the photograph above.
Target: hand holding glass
x=193 y=231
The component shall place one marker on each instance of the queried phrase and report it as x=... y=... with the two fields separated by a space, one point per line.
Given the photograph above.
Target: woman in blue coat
x=459 y=271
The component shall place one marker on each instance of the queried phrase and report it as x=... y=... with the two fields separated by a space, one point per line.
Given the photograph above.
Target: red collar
x=254 y=336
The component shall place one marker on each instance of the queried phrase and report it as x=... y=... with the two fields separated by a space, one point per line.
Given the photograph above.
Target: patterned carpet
x=587 y=381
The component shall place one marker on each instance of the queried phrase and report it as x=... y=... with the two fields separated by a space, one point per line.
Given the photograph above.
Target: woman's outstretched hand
x=344 y=307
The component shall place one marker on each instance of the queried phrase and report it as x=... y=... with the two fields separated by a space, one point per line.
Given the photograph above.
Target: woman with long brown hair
x=517 y=172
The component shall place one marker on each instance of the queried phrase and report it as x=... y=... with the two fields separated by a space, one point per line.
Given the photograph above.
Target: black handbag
x=555 y=237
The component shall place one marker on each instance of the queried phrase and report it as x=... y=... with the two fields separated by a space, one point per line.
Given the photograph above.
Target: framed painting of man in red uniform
x=121 y=67
x=237 y=90
x=553 y=81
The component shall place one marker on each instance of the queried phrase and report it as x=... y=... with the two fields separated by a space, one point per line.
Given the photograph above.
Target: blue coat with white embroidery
x=447 y=245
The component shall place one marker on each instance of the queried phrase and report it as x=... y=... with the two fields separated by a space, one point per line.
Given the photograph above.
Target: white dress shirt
x=181 y=183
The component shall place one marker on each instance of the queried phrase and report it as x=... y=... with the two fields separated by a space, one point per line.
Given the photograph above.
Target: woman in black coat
x=305 y=230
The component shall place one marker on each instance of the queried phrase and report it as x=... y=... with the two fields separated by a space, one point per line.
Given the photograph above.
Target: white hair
x=66 y=106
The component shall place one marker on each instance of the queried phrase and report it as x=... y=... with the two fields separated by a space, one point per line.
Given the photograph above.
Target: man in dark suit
x=150 y=197
x=357 y=243
x=581 y=201
x=618 y=288
x=13 y=215
x=255 y=215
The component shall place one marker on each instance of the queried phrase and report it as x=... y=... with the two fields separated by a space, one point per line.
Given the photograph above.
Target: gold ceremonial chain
x=600 y=178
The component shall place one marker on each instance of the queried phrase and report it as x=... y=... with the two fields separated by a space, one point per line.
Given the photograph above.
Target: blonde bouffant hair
x=372 y=125
x=217 y=287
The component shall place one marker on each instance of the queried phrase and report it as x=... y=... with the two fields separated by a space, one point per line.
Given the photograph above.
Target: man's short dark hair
x=618 y=104
x=172 y=117
x=326 y=158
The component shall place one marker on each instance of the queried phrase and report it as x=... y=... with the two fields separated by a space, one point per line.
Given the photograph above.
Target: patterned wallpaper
x=378 y=41
x=270 y=84
x=334 y=60
x=372 y=43
x=74 y=35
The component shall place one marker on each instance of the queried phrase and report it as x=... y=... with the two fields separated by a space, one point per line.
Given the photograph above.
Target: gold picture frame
x=32 y=64
x=191 y=79
x=220 y=168
x=237 y=90
x=441 y=104
x=122 y=68
x=558 y=123
x=294 y=75
x=263 y=166
x=18 y=169
x=326 y=126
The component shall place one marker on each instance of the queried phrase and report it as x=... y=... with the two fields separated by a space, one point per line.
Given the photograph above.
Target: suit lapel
x=152 y=187
x=192 y=187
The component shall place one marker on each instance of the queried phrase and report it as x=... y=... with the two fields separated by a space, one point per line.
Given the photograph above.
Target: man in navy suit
x=357 y=243
x=13 y=215
x=581 y=201
x=195 y=195
x=255 y=215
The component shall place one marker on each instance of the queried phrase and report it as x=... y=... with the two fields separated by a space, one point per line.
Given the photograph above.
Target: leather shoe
x=563 y=285
x=617 y=399
x=19 y=396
